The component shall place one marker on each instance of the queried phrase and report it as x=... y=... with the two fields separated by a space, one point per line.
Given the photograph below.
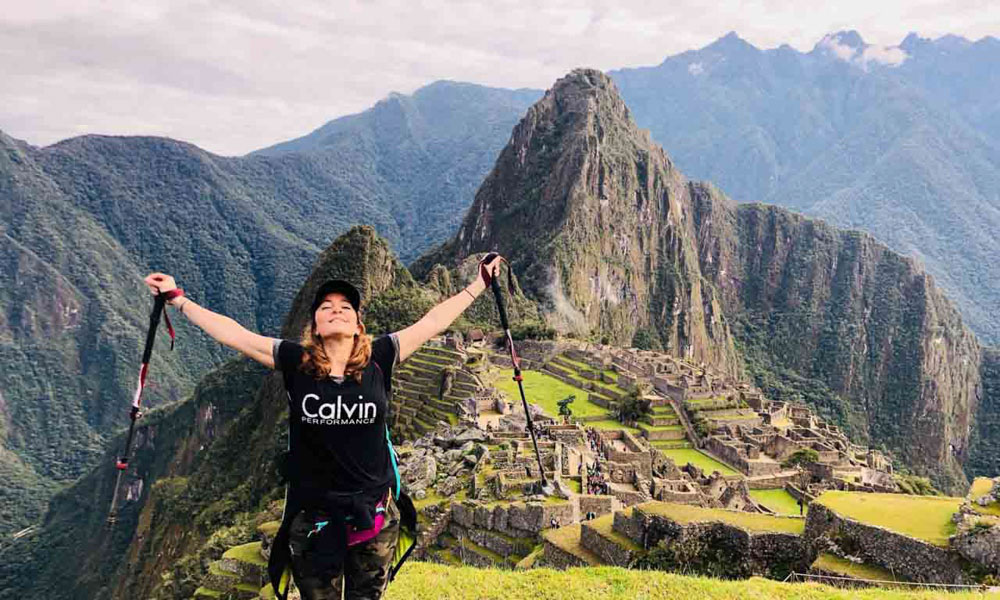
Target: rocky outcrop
x=598 y=223
x=838 y=307
x=983 y=456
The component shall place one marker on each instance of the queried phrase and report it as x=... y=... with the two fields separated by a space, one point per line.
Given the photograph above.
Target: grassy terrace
x=926 y=518
x=579 y=365
x=545 y=391
x=980 y=487
x=846 y=568
x=568 y=539
x=430 y=581
x=610 y=423
x=778 y=500
x=248 y=553
x=682 y=513
x=433 y=498
x=683 y=456
x=604 y=526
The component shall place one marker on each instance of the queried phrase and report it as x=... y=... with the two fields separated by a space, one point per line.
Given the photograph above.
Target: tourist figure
x=339 y=467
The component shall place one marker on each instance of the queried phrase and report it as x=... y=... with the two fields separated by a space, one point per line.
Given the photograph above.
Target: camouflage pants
x=365 y=572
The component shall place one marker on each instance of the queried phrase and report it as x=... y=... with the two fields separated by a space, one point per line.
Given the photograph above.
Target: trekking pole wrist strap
x=172 y=294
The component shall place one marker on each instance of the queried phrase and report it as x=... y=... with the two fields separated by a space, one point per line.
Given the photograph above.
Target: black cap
x=341 y=287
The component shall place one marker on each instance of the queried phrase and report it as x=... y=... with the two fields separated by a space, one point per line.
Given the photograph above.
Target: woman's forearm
x=222 y=328
x=445 y=313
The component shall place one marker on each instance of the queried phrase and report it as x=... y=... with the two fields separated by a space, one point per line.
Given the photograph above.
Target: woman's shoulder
x=287 y=355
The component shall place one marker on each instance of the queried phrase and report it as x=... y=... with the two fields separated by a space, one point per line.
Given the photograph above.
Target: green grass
x=610 y=424
x=683 y=456
x=662 y=427
x=980 y=487
x=545 y=391
x=433 y=498
x=574 y=485
x=270 y=528
x=568 y=539
x=926 y=518
x=579 y=365
x=429 y=581
x=670 y=444
x=248 y=553
x=605 y=526
x=842 y=566
x=778 y=500
x=684 y=514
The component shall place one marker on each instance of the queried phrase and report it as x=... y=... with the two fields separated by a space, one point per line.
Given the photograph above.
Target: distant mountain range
x=902 y=142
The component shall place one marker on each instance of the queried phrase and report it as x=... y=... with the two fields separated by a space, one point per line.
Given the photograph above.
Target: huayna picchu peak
x=598 y=223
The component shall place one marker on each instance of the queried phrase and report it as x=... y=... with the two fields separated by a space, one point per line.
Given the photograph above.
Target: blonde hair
x=316 y=362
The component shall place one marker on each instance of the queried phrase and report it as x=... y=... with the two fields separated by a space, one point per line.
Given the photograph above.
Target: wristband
x=174 y=293
x=466 y=290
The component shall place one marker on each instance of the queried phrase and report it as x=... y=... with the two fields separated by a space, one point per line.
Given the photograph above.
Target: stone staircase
x=416 y=406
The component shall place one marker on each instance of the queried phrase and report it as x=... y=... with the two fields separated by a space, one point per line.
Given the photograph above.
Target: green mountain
x=420 y=158
x=903 y=143
x=597 y=221
x=85 y=219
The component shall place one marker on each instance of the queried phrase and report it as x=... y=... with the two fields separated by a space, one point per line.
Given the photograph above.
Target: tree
x=564 y=410
x=635 y=406
x=801 y=457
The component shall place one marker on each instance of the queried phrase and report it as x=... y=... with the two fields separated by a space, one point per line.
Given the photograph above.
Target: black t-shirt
x=337 y=428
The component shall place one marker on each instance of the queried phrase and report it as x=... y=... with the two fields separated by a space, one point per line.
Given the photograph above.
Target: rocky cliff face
x=984 y=447
x=841 y=308
x=598 y=223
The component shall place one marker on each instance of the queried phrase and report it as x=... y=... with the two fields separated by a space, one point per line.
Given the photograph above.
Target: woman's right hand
x=159 y=283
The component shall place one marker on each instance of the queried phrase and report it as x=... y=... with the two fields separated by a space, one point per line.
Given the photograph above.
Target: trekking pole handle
x=498 y=296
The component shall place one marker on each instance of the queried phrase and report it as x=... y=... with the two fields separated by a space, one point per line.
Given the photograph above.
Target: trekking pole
x=121 y=464
x=498 y=296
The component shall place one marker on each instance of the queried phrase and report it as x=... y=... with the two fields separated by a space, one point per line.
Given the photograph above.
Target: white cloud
x=863 y=56
x=696 y=68
x=841 y=51
x=886 y=55
x=235 y=75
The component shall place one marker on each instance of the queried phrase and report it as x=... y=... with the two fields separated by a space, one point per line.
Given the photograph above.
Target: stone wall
x=515 y=519
x=777 y=481
x=599 y=505
x=722 y=550
x=900 y=554
x=981 y=547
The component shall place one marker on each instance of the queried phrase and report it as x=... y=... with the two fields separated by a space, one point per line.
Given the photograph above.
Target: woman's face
x=335 y=317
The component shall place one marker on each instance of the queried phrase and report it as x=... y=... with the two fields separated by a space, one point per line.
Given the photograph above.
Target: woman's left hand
x=491 y=269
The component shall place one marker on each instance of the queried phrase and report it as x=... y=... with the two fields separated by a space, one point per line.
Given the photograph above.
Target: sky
x=232 y=76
